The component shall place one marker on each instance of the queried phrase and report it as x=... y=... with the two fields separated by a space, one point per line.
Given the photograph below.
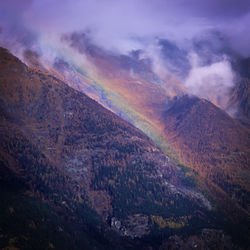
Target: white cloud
x=212 y=82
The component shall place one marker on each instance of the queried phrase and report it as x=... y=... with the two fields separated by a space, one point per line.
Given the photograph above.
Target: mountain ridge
x=90 y=167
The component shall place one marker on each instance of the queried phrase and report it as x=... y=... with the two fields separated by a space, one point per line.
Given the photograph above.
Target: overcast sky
x=121 y=26
x=125 y=25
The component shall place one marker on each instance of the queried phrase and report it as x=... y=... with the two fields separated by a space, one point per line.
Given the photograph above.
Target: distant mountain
x=74 y=175
x=239 y=102
x=215 y=145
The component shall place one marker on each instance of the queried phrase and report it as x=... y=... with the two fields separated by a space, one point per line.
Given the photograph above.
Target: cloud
x=123 y=26
x=165 y=31
x=212 y=82
x=238 y=35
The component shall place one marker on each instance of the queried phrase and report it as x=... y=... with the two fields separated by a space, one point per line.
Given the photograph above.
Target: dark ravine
x=74 y=175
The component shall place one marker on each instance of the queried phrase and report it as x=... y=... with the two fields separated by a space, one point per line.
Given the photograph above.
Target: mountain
x=196 y=132
x=193 y=131
x=125 y=84
x=240 y=97
x=76 y=176
x=215 y=145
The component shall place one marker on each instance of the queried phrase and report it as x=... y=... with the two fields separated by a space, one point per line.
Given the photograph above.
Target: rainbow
x=131 y=97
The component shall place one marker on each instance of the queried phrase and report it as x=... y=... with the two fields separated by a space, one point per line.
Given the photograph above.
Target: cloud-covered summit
x=169 y=33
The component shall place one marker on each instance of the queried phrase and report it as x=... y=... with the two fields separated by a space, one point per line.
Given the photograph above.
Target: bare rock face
x=135 y=226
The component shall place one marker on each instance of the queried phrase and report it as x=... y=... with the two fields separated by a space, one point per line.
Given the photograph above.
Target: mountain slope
x=213 y=144
x=85 y=167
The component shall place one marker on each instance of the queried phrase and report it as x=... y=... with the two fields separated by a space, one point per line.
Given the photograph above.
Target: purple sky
x=219 y=28
x=124 y=25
